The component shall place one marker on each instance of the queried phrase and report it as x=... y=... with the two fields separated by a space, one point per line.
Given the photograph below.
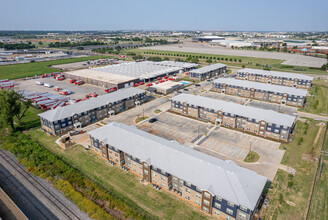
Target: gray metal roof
x=177 y=64
x=142 y=70
x=223 y=178
x=208 y=68
x=237 y=109
x=262 y=86
x=276 y=73
x=92 y=103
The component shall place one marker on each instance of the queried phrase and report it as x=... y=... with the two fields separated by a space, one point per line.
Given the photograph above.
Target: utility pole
x=250 y=146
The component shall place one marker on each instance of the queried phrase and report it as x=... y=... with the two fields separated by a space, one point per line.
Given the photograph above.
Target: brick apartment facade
x=261 y=122
x=61 y=120
x=276 y=78
x=264 y=92
x=218 y=188
x=207 y=71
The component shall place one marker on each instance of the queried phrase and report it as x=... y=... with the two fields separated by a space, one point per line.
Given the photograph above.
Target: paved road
x=34 y=196
x=289 y=59
x=308 y=115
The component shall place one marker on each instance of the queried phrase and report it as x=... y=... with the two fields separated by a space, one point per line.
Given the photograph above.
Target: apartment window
x=229 y=211
x=216 y=212
x=175 y=185
x=163 y=178
x=181 y=181
x=187 y=197
x=163 y=184
x=205 y=209
x=188 y=184
x=145 y=165
x=187 y=190
x=207 y=195
x=197 y=202
x=133 y=163
x=218 y=198
x=155 y=174
x=175 y=179
x=155 y=181
x=154 y=168
x=276 y=130
x=231 y=204
x=217 y=205
x=242 y=215
x=146 y=172
x=198 y=189
x=206 y=202
x=198 y=196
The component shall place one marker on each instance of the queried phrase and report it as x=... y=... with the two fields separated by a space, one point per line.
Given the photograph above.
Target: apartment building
x=262 y=122
x=219 y=188
x=265 y=92
x=277 y=78
x=63 y=119
x=208 y=71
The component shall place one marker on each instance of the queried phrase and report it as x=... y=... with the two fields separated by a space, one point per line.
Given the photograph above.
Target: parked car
x=197 y=85
x=185 y=89
x=149 y=84
x=265 y=203
x=135 y=85
x=152 y=120
x=39 y=83
x=48 y=85
x=65 y=92
x=208 y=80
x=80 y=82
x=57 y=89
x=72 y=133
x=141 y=83
x=179 y=92
x=108 y=90
x=92 y=95
x=72 y=81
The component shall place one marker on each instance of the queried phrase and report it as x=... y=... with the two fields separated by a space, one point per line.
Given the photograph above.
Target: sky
x=212 y=15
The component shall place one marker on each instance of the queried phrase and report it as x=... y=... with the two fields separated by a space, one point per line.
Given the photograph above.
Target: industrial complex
x=219 y=188
x=277 y=78
x=265 y=92
x=265 y=123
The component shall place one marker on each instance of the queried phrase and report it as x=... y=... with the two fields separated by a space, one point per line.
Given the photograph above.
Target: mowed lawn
x=317 y=101
x=23 y=70
x=161 y=204
x=290 y=194
x=248 y=62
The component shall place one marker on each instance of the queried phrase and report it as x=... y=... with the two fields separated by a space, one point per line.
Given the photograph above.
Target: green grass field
x=163 y=205
x=23 y=70
x=290 y=194
x=317 y=103
x=249 y=62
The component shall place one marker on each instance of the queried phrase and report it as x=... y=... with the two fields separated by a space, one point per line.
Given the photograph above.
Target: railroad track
x=29 y=177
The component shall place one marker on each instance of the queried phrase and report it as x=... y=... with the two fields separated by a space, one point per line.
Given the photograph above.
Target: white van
x=39 y=83
x=48 y=85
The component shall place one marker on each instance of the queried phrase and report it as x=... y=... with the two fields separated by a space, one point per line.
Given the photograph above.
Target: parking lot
x=78 y=92
x=219 y=142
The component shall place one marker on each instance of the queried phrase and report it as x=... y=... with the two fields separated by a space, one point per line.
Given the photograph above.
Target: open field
x=248 y=62
x=289 y=59
x=318 y=103
x=160 y=204
x=23 y=70
x=289 y=197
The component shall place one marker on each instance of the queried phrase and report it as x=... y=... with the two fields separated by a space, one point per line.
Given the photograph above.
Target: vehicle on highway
x=72 y=81
x=80 y=82
x=39 y=83
x=109 y=90
x=48 y=85
x=152 y=120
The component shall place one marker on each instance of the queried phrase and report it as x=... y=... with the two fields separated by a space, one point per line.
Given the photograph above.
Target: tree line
x=17 y=46
x=75 y=44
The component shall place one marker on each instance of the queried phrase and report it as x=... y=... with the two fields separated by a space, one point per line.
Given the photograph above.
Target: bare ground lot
x=77 y=91
x=289 y=59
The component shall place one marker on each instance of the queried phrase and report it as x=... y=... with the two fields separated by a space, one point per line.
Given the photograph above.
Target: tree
x=40 y=43
x=11 y=107
x=166 y=58
x=208 y=61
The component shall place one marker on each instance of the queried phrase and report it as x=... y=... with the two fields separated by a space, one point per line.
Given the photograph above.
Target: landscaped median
x=252 y=157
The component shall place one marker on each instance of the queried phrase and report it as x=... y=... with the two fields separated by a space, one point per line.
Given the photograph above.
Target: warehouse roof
x=77 y=108
x=223 y=178
x=237 y=109
x=208 y=68
x=262 y=86
x=276 y=73
x=142 y=70
x=101 y=76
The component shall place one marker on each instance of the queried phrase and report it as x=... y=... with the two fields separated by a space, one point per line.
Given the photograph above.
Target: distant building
x=262 y=122
x=207 y=38
x=219 y=188
x=266 y=92
x=277 y=78
x=166 y=87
